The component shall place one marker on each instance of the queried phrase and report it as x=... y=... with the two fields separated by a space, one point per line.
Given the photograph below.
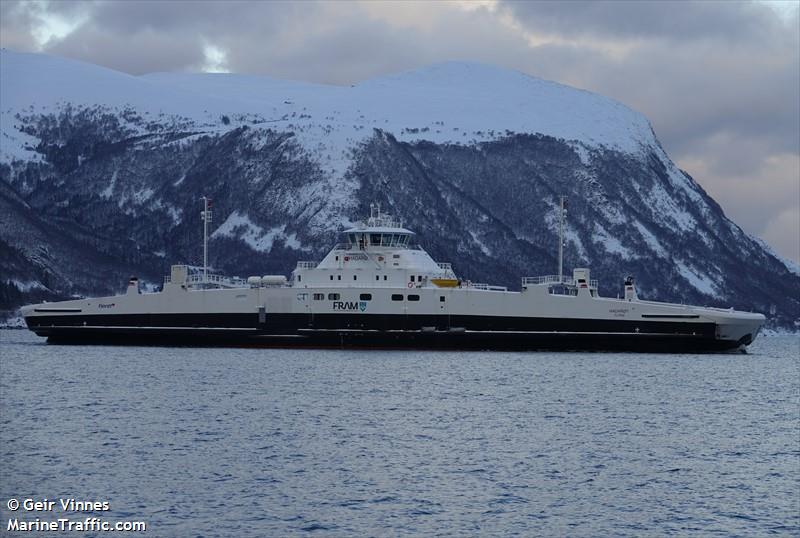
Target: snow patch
x=700 y=282
x=651 y=240
x=486 y=250
x=238 y=226
x=108 y=192
x=142 y=195
x=26 y=285
x=175 y=214
x=611 y=244
x=571 y=236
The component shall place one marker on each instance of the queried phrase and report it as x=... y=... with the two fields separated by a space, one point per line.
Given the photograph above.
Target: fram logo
x=350 y=305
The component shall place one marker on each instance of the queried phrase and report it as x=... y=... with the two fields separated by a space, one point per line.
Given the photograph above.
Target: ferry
x=378 y=289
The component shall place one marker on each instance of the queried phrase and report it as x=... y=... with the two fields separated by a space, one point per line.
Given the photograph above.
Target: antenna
x=561 y=213
x=205 y=214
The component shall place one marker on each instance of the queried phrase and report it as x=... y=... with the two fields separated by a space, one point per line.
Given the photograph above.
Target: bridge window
x=333 y=296
x=375 y=239
x=397 y=297
x=413 y=297
x=365 y=297
x=319 y=296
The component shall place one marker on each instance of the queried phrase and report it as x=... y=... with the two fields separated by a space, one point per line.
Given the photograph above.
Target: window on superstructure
x=375 y=239
x=412 y=278
x=441 y=298
x=397 y=297
x=333 y=296
x=331 y=277
x=365 y=297
x=384 y=277
x=338 y=277
x=355 y=277
x=299 y=278
x=413 y=297
x=319 y=296
x=377 y=277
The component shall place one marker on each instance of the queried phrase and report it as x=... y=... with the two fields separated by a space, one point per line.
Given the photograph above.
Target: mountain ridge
x=476 y=166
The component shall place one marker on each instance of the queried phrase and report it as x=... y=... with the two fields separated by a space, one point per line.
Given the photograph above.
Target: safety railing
x=483 y=286
x=553 y=279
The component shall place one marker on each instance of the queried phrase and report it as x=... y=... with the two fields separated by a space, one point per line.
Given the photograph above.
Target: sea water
x=253 y=442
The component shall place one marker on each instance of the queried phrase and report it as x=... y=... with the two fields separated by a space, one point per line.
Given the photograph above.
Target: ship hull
x=386 y=332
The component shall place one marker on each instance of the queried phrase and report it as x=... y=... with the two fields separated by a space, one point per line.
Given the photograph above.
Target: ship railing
x=307 y=265
x=488 y=287
x=355 y=247
x=217 y=280
x=546 y=279
x=214 y=280
x=445 y=266
x=553 y=279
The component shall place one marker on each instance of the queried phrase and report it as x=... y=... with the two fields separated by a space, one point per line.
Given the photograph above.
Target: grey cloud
x=138 y=53
x=360 y=46
x=17 y=24
x=654 y=18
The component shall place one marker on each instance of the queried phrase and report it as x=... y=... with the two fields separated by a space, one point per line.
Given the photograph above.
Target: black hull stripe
x=381 y=331
x=398 y=340
x=291 y=323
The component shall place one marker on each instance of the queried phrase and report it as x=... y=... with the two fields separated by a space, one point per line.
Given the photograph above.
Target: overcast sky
x=720 y=81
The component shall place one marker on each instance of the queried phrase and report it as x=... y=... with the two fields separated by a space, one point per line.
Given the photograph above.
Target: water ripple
x=240 y=442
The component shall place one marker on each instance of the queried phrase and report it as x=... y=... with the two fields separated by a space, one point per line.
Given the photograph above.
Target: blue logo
x=362 y=305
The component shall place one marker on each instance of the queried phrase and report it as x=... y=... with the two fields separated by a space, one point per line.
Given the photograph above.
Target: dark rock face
x=106 y=201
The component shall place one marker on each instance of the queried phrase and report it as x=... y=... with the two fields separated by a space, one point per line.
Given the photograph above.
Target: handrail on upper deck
x=553 y=279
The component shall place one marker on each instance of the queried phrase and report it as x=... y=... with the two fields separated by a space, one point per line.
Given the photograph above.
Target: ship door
x=442 y=311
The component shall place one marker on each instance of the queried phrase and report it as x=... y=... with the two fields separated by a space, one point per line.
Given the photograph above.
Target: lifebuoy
x=410 y=284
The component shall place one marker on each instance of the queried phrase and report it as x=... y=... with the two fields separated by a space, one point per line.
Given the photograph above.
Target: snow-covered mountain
x=100 y=175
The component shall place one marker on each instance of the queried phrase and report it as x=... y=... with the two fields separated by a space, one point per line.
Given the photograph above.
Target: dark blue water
x=279 y=443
